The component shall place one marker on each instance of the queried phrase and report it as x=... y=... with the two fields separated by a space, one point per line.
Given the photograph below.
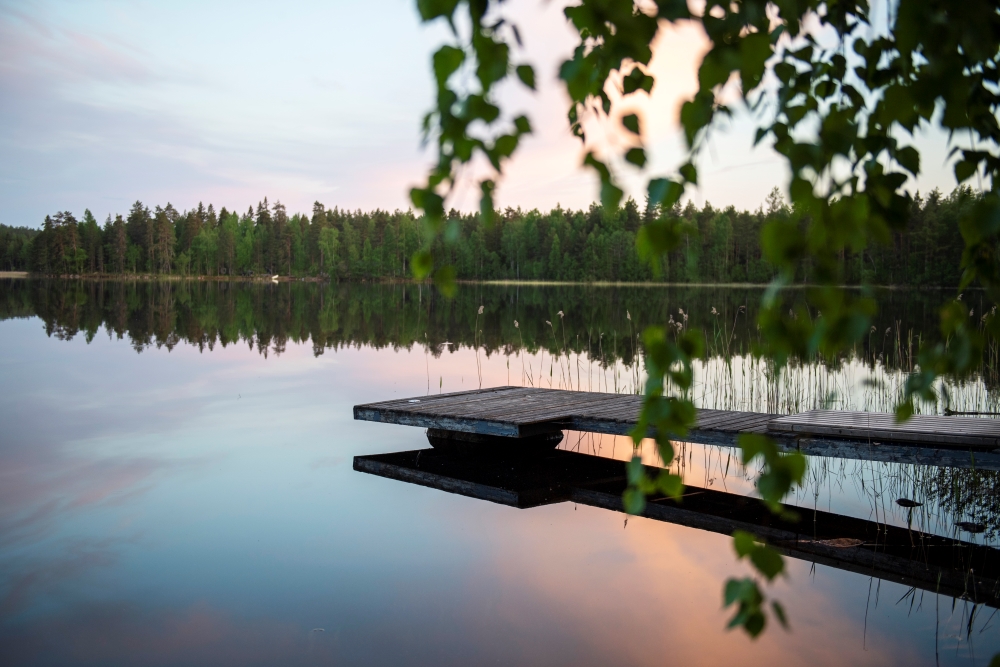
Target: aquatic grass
x=948 y=501
x=476 y=332
x=520 y=353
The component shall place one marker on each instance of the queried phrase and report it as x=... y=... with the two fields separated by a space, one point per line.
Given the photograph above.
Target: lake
x=177 y=484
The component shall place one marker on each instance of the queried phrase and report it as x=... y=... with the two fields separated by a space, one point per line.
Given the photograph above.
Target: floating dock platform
x=525 y=412
x=473 y=431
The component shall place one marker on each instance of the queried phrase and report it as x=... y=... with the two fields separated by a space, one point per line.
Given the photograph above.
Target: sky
x=103 y=103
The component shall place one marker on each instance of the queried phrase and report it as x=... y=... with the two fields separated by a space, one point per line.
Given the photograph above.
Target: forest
x=721 y=245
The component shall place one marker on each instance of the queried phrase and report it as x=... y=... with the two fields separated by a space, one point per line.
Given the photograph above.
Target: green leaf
x=909 y=158
x=636 y=156
x=898 y=106
x=486 y=201
x=432 y=9
x=421 y=264
x=717 y=65
x=477 y=106
x=755 y=49
x=634 y=471
x=696 y=115
x=526 y=73
x=673 y=10
x=670 y=485
x=611 y=196
x=656 y=238
x=452 y=231
x=737 y=589
x=753 y=445
x=492 y=58
x=781 y=471
x=779 y=613
x=754 y=624
x=601 y=168
x=444 y=280
x=745 y=594
x=429 y=202
x=506 y=144
x=795 y=463
x=637 y=80
x=904 y=411
x=964 y=169
x=634 y=501
x=664 y=192
x=631 y=123
x=689 y=173
x=446 y=61
x=523 y=125
x=767 y=561
x=744 y=543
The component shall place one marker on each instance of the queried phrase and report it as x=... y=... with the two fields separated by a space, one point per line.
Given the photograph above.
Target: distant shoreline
x=600 y=283
x=513 y=283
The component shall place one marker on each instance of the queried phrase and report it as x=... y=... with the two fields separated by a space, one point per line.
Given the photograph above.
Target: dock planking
x=522 y=411
x=929 y=429
x=525 y=411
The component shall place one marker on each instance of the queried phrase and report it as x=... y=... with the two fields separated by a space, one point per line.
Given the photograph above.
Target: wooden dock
x=934 y=563
x=520 y=412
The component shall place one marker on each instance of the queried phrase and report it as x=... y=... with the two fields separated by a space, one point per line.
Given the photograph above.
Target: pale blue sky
x=106 y=102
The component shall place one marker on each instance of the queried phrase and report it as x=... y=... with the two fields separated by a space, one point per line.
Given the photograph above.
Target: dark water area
x=177 y=487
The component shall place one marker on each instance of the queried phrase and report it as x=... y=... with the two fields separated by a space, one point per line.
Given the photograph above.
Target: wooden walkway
x=525 y=411
x=928 y=429
x=934 y=563
x=518 y=412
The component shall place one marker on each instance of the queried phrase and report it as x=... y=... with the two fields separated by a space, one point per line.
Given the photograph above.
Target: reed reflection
x=575 y=337
x=967 y=572
x=570 y=336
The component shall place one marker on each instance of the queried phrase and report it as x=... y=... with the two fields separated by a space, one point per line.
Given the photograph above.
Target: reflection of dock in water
x=920 y=560
x=520 y=412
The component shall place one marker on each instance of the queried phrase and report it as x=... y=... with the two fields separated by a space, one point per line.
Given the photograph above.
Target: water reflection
x=952 y=567
x=195 y=503
x=575 y=337
x=600 y=321
x=861 y=484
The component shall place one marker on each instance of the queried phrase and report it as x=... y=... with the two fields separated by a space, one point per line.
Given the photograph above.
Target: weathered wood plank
x=453 y=400
x=522 y=411
x=737 y=423
x=962 y=431
x=553 y=409
x=917 y=422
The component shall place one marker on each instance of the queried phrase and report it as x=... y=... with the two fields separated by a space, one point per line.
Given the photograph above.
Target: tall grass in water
x=962 y=503
x=476 y=332
x=952 y=502
x=733 y=376
x=520 y=353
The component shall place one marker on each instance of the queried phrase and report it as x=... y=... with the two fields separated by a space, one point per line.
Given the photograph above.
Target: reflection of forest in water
x=598 y=324
x=205 y=313
x=534 y=325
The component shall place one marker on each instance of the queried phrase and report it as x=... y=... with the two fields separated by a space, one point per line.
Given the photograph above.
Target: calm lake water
x=176 y=485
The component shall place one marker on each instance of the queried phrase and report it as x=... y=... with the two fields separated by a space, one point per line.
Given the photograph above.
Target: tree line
x=721 y=246
x=15 y=247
